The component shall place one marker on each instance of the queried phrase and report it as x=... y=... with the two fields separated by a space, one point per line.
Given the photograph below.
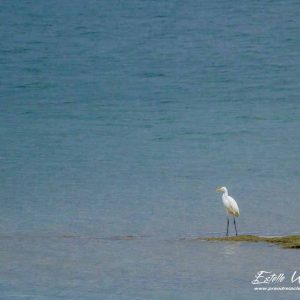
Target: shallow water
x=70 y=267
x=121 y=118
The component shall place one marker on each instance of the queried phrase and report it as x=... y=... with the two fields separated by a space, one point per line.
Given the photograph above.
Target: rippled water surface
x=118 y=119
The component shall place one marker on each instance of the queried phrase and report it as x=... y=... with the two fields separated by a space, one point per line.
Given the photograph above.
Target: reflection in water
x=231 y=248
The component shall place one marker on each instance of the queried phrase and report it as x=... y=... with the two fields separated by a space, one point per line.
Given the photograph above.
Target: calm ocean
x=118 y=120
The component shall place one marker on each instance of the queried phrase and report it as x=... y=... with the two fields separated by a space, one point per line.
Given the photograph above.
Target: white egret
x=231 y=207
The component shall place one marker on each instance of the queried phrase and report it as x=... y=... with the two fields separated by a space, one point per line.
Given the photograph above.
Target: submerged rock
x=289 y=241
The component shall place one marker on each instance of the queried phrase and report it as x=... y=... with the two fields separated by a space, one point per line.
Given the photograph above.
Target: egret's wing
x=233 y=207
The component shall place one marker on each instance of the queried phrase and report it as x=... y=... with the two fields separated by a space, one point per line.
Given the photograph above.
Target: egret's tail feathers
x=236 y=213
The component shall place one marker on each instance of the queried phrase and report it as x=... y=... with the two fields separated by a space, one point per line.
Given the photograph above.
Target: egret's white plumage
x=230 y=205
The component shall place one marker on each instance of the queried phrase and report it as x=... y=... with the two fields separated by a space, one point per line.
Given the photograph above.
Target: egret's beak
x=218 y=190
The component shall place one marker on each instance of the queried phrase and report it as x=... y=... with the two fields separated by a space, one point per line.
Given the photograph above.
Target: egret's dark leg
x=227 y=226
x=235 y=226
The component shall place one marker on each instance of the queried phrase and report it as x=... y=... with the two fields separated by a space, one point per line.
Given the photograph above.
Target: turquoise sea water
x=120 y=118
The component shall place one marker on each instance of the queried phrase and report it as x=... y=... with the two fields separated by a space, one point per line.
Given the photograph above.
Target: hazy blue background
x=120 y=118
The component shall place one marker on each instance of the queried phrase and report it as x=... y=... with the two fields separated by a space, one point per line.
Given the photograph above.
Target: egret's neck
x=225 y=193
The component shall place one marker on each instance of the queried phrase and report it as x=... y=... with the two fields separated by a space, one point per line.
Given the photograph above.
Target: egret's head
x=222 y=189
